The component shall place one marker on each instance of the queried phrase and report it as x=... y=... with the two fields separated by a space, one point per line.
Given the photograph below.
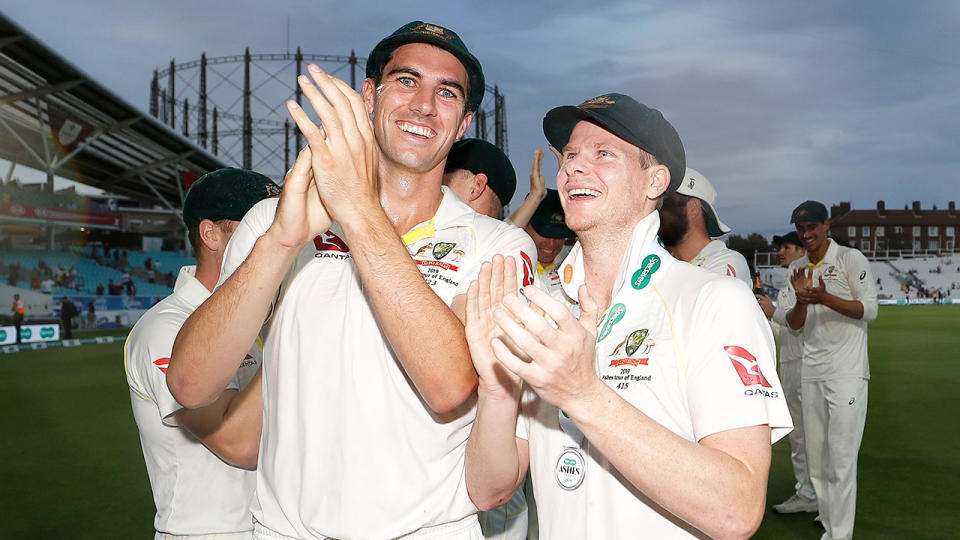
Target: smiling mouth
x=582 y=193
x=414 y=129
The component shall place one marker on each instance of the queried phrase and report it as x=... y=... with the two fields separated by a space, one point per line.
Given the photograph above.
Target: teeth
x=417 y=130
x=583 y=192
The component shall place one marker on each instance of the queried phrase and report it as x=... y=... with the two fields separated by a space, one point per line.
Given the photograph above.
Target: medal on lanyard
x=571 y=466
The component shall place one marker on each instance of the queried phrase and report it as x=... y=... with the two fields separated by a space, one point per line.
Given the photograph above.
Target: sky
x=776 y=102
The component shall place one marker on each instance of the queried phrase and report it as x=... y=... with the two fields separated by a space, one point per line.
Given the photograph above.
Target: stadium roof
x=54 y=117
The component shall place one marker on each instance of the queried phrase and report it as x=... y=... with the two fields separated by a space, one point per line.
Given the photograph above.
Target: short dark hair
x=193 y=235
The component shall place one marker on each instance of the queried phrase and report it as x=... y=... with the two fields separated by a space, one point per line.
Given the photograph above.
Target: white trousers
x=790 y=381
x=506 y=522
x=834 y=413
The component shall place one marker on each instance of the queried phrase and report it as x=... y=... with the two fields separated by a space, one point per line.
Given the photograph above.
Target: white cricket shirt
x=791 y=341
x=194 y=490
x=834 y=345
x=349 y=449
x=690 y=349
x=720 y=259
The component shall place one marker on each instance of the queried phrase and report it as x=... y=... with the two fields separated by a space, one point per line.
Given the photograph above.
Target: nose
x=571 y=167
x=556 y=243
x=423 y=101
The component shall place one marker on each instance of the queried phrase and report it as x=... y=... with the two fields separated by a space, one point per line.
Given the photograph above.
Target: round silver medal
x=570 y=469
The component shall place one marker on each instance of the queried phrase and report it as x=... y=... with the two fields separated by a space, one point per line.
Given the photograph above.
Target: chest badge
x=441 y=249
x=634 y=341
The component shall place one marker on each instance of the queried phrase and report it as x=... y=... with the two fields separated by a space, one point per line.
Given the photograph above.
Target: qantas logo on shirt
x=527 y=269
x=746 y=366
x=330 y=242
x=162 y=364
x=731 y=271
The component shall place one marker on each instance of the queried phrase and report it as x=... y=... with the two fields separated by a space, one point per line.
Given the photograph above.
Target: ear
x=369 y=95
x=210 y=235
x=659 y=181
x=478 y=185
x=464 y=124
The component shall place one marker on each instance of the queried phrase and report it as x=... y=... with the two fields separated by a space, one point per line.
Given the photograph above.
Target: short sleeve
x=509 y=242
x=731 y=372
x=862 y=284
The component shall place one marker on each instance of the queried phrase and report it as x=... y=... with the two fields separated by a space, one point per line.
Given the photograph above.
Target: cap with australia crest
x=433 y=34
x=809 y=211
x=633 y=122
x=225 y=194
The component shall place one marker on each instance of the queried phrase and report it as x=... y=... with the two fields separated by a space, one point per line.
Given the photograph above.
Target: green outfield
x=72 y=466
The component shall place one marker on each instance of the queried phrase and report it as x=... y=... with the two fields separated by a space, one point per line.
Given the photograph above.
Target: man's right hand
x=538 y=184
x=497 y=278
x=801 y=279
x=300 y=214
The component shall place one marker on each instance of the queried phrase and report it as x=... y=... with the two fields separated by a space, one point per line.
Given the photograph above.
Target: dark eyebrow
x=445 y=82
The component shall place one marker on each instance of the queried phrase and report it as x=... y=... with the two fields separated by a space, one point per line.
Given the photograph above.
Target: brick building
x=911 y=230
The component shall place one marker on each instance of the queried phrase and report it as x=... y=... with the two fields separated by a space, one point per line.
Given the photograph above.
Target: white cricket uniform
x=349 y=448
x=195 y=492
x=791 y=353
x=688 y=348
x=718 y=258
x=834 y=379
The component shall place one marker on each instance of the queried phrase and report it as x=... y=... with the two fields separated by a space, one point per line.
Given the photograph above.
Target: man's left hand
x=814 y=294
x=562 y=370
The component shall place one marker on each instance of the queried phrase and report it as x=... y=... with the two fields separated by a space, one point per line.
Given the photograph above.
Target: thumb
x=589 y=310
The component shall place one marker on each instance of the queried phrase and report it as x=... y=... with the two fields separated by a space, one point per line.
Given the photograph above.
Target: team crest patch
x=441 y=249
x=633 y=342
x=434 y=30
x=600 y=102
x=273 y=190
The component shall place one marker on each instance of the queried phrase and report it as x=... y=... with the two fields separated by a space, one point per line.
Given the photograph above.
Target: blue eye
x=406 y=81
x=447 y=93
x=604 y=153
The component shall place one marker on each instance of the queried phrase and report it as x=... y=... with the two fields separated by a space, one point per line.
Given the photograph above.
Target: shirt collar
x=451 y=209
x=189 y=288
x=644 y=263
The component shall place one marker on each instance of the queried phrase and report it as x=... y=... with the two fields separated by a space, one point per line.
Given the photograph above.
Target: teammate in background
x=481 y=175
x=538 y=191
x=789 y=249
x=68 y=310
x=368 y=381
x=549 y=233
x=831 y=297
x=659 y=420
x=18 y=309
x=197 y=494
x=690 y=227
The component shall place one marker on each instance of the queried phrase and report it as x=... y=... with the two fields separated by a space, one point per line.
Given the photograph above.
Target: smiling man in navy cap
x=653 y=414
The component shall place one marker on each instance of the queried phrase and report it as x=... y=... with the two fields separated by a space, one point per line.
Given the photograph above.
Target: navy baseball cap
x=479 y=156
x=809 y=211
x=633 y=122
x=433 y=34
x=548 y=218
x=789 y=238
x=226 y=193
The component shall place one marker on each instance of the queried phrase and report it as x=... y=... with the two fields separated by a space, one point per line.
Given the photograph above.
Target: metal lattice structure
x=233 y=106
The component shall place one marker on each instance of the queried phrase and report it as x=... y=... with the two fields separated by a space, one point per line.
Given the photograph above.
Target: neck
x=208 y=270
x=690 y=246
x=817 y=256
x=409 y=197
x=602 y=256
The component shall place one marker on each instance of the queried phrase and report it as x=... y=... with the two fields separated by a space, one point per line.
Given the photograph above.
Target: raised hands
x=497 y=279
x=538 y=184
x=813 y=294
x=562 y=367
x=343 y=152
x=300 y=214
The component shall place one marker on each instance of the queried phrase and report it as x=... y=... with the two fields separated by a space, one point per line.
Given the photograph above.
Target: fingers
x=537 y=159
x=509 y=275
x=298 y=176
x=554 y=309
x=315 y=135
x=512 y=362
x=483 y=285
x=473 y=301
x=557 y=154
x=589 y=310
x=496 y=280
